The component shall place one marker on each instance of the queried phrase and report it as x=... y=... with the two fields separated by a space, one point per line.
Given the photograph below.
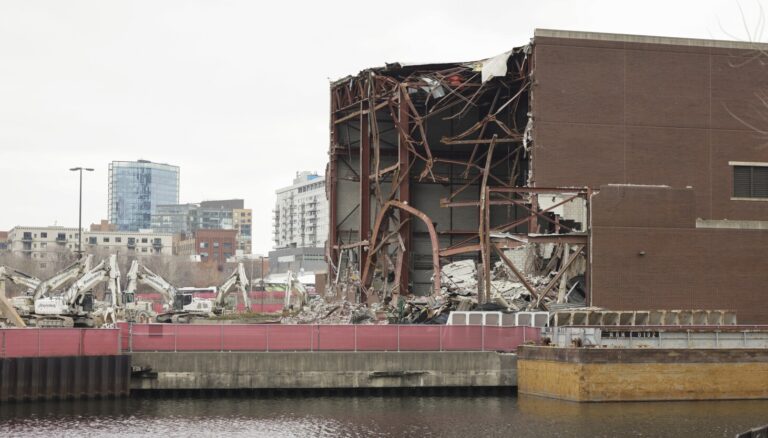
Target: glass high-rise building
x=136 y=188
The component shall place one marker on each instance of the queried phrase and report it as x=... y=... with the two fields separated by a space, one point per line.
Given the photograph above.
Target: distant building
x=49 y=243
x=242 y=221
x=3 y=240
x=104 y=226
x=186 y=219
x=180 y=219
x=301 y=213
x=219 y=214
x=139 y=243
x=307 y=259
x=136 y=188
x=42 y=243
x=214 y=246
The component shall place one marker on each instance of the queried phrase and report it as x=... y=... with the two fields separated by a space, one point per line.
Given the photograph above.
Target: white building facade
x=48 y=243
x=300 y=216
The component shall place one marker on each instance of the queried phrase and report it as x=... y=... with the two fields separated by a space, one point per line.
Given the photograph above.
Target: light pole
x=80 y=214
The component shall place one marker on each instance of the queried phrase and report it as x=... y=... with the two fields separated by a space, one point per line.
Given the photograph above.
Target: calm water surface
x=395 y=416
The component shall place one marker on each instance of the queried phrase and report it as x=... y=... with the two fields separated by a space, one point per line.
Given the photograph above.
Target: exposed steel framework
x=398 y=129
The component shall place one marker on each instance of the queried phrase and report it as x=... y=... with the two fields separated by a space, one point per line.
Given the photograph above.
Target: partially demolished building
x=615 y=171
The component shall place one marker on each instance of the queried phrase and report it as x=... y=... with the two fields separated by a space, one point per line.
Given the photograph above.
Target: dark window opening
x=750 y=182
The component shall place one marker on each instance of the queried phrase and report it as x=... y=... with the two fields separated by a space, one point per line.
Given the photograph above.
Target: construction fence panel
x=60 y=342
x=51 y=342
x=419 y=338
x=305 y=337
x=198 y=337
x=461 y=337
x=377 y=338
x=100 y=342
x=290 y=337
x=335 y=338
x=152 y=337
x=21 y=342
x=245 y=338
x=125 y=335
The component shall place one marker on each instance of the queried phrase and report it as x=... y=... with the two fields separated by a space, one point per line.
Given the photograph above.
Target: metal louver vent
x=750 y=182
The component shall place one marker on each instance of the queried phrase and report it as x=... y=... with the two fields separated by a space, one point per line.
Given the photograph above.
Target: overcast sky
x=236 y=92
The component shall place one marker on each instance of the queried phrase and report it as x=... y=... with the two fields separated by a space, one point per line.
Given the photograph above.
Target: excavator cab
x=87 y=302
x=181 y=300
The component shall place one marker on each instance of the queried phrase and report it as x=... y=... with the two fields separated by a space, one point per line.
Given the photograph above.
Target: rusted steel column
x=404 y=190
x=484 y=231
x=367 y=276
x=331 y=189
x=365 y=181
x=588 y=246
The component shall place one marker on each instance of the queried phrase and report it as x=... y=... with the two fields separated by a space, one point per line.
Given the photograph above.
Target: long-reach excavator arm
x=292 y=282
x=156 y=282
x=75 y=270
x=19 y=278
x=239 y=279
x=133 y=278
x=102 y=272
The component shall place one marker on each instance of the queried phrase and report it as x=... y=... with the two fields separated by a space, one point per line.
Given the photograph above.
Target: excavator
x=8 y=310
x=135 y=310
x=76 y=307
x=36 y=289
x=181 y=305
x=236 y=278
x=293 y=283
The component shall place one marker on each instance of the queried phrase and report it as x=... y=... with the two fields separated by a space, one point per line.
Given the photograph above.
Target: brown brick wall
x=613 y=112
x=218 y=244
x=682 y=267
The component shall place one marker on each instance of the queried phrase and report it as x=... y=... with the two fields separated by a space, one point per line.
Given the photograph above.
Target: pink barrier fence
x=31 y=342
x=268 y=337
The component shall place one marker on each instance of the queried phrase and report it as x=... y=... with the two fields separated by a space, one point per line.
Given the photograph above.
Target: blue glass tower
x=136 y=188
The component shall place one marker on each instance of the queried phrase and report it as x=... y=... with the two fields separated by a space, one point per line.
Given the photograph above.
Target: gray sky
x=236 y=92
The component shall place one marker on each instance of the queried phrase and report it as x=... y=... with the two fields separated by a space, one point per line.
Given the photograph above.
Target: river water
x=387 y=416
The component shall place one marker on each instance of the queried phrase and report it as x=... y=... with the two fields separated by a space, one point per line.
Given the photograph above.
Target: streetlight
x=80 y=215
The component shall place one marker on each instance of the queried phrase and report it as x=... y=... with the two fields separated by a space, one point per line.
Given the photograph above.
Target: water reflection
x=352 y=416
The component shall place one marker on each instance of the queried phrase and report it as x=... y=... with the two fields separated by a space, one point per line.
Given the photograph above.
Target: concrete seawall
x=48 y=378
x=323 y=370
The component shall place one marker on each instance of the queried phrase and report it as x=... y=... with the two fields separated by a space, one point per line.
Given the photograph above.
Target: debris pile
x=318 y=311
x=528 y=277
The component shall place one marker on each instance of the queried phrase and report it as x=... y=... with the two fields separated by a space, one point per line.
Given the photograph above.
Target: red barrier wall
x=32 y=342
x=271 y=337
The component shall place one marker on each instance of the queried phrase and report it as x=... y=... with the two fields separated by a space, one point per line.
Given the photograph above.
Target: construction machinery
x=292 y=284
x=236 y=278
x=179 y=307
x=76 y=306
x=36 y=289
x=19 y=278
x=133 y=309
x=8 y=310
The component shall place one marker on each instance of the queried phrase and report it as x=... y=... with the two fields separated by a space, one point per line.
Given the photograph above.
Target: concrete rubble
x=459 y=290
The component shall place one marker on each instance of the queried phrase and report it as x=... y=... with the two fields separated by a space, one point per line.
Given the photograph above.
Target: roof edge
x=649 y=39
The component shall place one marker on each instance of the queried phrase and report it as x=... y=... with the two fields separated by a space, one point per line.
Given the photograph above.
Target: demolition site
x=581 y=218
